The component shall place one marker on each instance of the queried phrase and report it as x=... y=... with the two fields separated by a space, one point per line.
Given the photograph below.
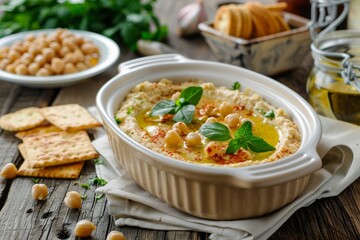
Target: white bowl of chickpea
x=53 y=58
x=207 y=191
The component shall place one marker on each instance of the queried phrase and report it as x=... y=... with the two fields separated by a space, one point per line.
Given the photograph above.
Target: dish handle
x=137 y=63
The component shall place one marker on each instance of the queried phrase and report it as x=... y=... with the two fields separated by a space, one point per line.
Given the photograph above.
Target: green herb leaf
x=257 y=144
x=83 y=197
x=117 y=119
x=85 y=185
x=129 y=110
x=183 y=108
x=244 y=138
x=270 y=114
x=163 y=107
x=98 y=161
x=215 y=131
x=185 y=114
x=97 y=181
x=98 y=196
x=192 y=95
x=236 y=86
x=36 y=180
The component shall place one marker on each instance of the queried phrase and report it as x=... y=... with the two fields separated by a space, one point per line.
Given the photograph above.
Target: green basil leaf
x=192 y=95
x=215 y=131
x=185 y=114
x=234 y=145
x=257 y=144
x=163 y=107
x=244 y=132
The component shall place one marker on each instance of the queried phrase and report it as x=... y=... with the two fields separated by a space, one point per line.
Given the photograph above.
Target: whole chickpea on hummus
x=200 y=123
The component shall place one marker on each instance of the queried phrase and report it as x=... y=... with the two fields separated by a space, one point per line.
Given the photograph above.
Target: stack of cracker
x=55 y=141
x=250 y=20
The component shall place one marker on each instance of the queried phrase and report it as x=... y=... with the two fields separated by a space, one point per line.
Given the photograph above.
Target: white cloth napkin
x=132 y=206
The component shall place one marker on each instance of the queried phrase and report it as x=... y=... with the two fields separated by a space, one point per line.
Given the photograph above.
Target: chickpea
x=73 y=199
x=9 y=171
x=69 y=68
x=21 y=69
x=10 y=68
x=79 y=56
x=89 y=48
x=43 y=72
x=226 y=108
x=115 y=235
x=3 y=63
x=172 y=138
x=57 y=65
x=212 y=149
x=181 y=128
x=79 y=40
x=30 y=37
x=84 y=228
x=33 y=50
x=175 y=96
x=40 y=59
x=211 y=120
x=33 y=68
x=13 y=55
x=48 y=67
x=193 y=139
x=90 y=60
x=80 y=66
x=70 y=58
x=48 y=54
x=64 y=50
x=55 y=46
x=39 y=191
x=232 y=120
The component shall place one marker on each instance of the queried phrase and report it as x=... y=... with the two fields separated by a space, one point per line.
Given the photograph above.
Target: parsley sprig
x=183 y=108
x=243 y=137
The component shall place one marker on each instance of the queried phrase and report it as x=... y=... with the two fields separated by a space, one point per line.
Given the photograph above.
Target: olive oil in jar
x=328 y=93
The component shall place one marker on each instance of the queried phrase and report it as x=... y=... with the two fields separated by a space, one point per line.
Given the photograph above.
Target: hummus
x=269 y=123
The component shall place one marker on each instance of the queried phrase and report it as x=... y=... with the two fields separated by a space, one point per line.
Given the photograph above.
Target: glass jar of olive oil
x=333 y=85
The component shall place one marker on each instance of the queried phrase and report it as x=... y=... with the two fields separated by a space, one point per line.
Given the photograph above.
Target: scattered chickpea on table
x=56 y=53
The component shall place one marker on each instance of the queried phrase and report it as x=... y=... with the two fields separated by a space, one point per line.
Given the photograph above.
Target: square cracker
x=22 y=119
x=70 y=117
x=57 y=148
x=38 y=130
x=71 y=170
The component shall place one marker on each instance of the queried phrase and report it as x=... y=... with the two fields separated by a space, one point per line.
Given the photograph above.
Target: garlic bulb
x=189 y=17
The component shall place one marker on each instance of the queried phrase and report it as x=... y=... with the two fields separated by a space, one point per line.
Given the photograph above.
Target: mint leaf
x=257 y=144
x=235 y=86
x=185 y=114
x=192 y=95
x=163 y=107
x=215 y=131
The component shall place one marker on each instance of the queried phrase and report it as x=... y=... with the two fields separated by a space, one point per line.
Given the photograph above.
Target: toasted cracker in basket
x=70 y=117
x=246 y=22
x=23 y=119
x=57 y=148
x=71 y=171
x=38 y=130
x=225 y=20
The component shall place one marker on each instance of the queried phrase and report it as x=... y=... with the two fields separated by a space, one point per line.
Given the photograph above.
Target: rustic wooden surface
x=23 y=218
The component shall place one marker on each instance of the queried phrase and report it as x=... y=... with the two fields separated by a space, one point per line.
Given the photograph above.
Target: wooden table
x=23 y=218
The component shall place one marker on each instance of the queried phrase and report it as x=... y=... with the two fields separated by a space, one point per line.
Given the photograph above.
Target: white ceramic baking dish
x=220 y=193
